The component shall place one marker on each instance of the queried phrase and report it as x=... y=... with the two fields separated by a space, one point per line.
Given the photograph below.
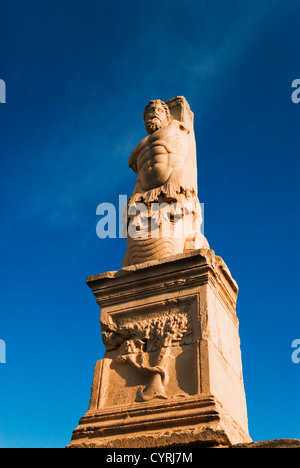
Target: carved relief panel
x=150 y=356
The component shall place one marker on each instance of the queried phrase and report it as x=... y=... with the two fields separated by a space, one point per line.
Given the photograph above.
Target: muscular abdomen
x=154 y=167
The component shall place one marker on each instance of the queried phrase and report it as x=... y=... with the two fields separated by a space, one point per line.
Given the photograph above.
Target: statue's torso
x=159 y=154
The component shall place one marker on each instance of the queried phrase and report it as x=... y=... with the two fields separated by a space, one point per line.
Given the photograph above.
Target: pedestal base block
x=172 y=372
x=194 y=421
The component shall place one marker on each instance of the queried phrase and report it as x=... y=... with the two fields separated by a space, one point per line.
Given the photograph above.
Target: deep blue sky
x=78 y=77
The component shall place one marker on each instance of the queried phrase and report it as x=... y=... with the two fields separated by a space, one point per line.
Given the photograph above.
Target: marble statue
x=163 y=212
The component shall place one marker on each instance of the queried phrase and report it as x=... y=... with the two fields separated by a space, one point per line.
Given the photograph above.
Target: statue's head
x=156 y=116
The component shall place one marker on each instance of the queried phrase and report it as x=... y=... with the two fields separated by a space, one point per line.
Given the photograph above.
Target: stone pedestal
x=172 y=371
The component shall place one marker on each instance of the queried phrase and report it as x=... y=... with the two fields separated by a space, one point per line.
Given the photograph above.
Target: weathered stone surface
x=278 y=443
x=172 y=369
x=163 y=215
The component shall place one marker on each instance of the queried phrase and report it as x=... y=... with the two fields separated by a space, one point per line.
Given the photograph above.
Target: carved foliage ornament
x=138 y=339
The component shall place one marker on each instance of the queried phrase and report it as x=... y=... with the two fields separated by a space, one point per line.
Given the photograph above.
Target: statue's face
x=155 y=118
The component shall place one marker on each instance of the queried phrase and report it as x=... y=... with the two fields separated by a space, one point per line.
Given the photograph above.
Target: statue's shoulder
x=180 y=125
x=133 y=157
x=140 y=146
x=175 y=126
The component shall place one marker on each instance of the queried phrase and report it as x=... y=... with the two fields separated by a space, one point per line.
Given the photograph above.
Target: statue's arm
x=180 y=181
x=132 y=163
x=134 y=155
